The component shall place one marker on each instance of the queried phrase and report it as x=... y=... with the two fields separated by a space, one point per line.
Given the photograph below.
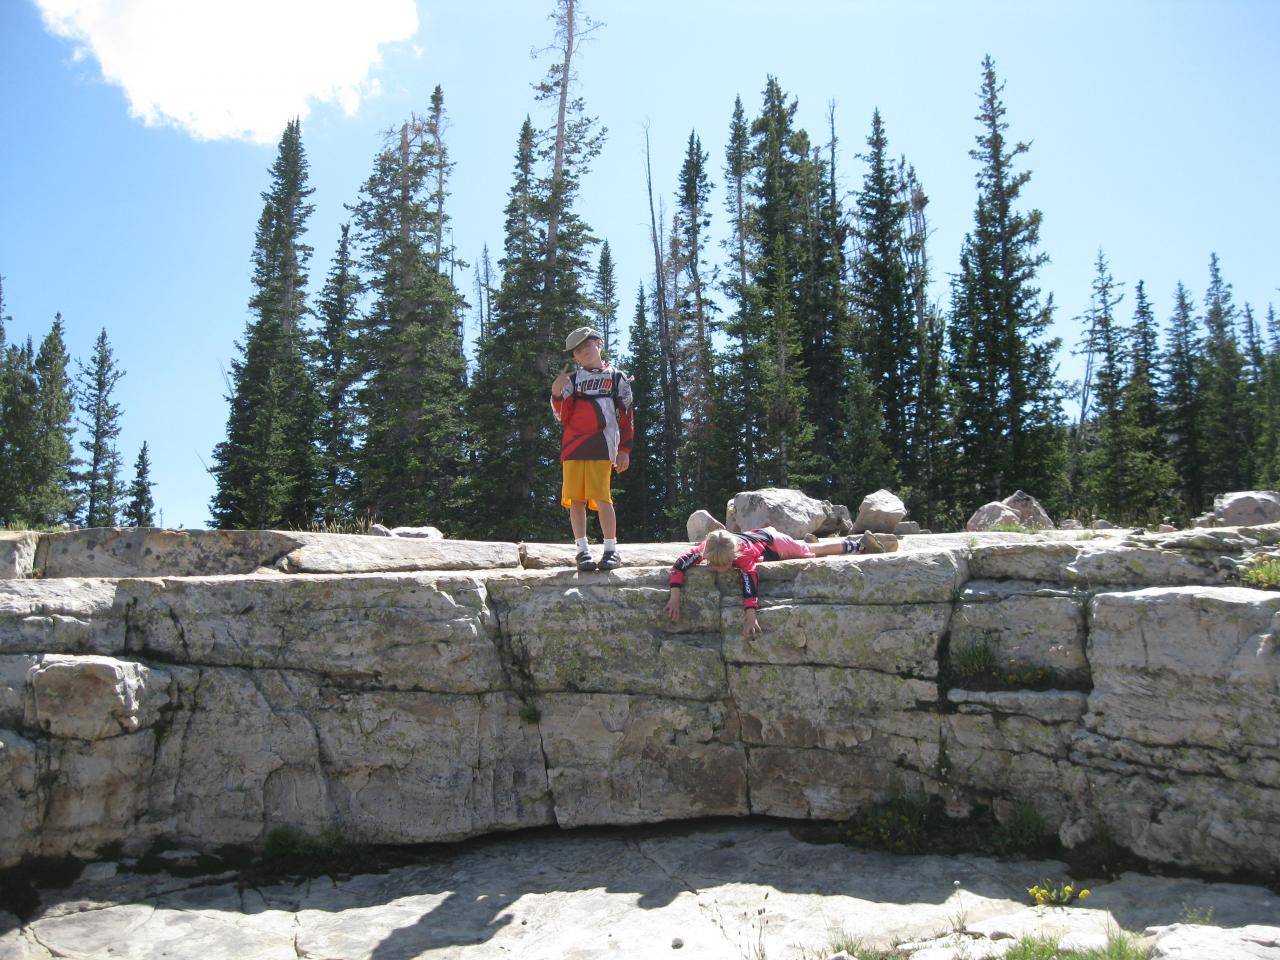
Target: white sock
x=581 y=542
x=610 y=544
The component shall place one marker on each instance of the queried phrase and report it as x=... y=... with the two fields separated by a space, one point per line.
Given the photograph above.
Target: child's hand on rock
x=673 y=606
x=750 y=625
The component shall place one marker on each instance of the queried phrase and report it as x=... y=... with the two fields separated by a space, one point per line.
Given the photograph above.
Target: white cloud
x=234 y=69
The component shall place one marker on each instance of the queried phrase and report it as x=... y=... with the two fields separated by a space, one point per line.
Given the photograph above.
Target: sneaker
x=877 y=543
x=610 y=560
x=585 y=563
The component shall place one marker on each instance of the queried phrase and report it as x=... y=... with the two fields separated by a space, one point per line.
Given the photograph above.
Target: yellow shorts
x=586 y=480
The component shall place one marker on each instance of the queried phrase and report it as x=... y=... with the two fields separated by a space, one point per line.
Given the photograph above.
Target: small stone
x=378 y=530
x=880 y=512
x=1070 y=524
x=677 y=943
x=419 y=533
x=699 y=524
x=103 y=870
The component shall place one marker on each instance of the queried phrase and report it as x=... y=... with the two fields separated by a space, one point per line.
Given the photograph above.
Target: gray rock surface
x=1135 y=691
x=723 y=891
x=1182 y=941
x=1030 y=512
x=1246 y=508
x=699 y=524
x=551 y=556
x=880 y=512
x=17 y=553
x=992 y=514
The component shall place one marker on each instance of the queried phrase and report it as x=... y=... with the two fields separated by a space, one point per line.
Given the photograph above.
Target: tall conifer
x=1007 y=401
x=265 y=469
x=99 y=482
x=881 y=291
x=511 y=492
x=140 y=510
x=409 y=345
x=1181 y=401
x=641 y=507
x=50 y=497
x=1226 y=449
x=604 y=304
x=333 y=362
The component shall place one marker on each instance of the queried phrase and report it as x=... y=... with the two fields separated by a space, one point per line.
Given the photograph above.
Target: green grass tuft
x=1262 y=574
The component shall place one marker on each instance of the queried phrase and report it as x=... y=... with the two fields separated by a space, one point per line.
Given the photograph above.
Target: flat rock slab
x=713 y=890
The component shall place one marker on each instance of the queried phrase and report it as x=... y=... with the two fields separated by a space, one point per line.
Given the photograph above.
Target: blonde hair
x=719 y=548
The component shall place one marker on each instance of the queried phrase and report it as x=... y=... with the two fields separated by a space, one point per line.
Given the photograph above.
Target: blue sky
x=124 y=205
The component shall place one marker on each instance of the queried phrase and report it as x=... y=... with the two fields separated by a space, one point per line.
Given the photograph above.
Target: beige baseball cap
x=574 y=340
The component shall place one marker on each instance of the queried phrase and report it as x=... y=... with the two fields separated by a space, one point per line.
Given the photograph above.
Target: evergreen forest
x=786 y=335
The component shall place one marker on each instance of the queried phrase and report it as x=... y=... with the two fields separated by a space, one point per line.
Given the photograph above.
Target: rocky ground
x=745 y=890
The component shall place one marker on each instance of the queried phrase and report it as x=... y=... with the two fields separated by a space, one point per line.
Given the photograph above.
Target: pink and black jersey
x=754 y=546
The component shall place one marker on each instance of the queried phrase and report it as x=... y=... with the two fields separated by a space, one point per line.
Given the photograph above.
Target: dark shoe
x=610 y=560
x=585 y=563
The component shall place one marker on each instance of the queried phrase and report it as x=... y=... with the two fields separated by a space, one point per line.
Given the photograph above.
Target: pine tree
x=1181 y=400
x=1122 y=478
x=1267 y=444
x=604 y=304
x=409 y=347
x=641 y=508
x=140 y=510
x=99 y=483
x=1007 y=401
x=784 y=330
x=1226 y=449
x=786 y=432
x=742 y=368
x=1101 y=437
x=824 y=301
x=266 y=469
x=1152 y=477
x=927 y=464
x=333 y=363
x=511 y=489
x=50 y=497
x=865 y=463
x=19 y=435
x=514 y=487
x=881 y=291
x=695 y=367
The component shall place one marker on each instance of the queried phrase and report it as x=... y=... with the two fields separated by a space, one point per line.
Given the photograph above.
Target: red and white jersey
x=594 y=410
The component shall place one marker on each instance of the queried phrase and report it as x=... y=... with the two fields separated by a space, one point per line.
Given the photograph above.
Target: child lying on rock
x=723 y=550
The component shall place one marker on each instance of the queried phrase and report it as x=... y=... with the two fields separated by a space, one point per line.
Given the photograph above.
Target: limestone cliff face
x=1114 y=684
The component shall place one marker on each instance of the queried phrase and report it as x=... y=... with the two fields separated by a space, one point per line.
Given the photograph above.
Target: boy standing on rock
x=593 y=404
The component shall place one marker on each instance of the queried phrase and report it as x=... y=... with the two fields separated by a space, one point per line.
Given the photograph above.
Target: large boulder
x=790 y=511
x=1247 y=508
x=699 y=524
x=880 y=512
x=1030 y=512
x=992 y=514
